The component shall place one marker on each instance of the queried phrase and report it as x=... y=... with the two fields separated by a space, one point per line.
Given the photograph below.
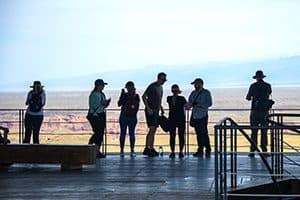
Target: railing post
x=216 y=164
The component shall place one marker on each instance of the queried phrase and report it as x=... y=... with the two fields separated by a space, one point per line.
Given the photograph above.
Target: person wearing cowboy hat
x=176 y=119
x=257 y=93
x=35 y=101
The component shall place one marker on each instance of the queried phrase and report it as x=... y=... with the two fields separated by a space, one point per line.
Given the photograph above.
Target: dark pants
x=202 y=134
x=256 y=119
x=181 y=131
x=98 y=124
x=129 y=122
x=32 y=125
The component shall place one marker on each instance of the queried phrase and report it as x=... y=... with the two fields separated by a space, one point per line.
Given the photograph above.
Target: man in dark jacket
x=259 y=92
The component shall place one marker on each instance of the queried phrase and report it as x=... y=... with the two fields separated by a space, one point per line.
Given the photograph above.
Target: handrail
x=219 y=125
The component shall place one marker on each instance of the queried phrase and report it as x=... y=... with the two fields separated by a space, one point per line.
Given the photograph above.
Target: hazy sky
x=44 y=39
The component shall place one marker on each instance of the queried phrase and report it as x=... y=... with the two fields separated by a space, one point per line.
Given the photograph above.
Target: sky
x=48 y=39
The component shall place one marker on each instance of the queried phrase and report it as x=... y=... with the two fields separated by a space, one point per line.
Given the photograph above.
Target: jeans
x=202 y=134
x=129 y=122
x=32 y=125
x=98 y=124
x=181 y=131
x=259 y=118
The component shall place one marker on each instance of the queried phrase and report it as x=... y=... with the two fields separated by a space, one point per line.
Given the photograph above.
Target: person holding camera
x=35 y=101
x=259 y=93
x=129 y=102
x=200 y=100
x=97 y=114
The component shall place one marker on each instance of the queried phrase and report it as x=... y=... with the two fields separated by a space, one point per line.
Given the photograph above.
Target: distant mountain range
x=281 y=71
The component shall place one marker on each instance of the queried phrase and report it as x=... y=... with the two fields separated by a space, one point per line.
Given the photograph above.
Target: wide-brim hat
x=36 y=84
x=259 y=74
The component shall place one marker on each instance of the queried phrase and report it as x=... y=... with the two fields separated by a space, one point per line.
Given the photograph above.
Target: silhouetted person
x=4 y=140
x=129 y=102
x=176 y=119
x=36 y=99
x=258 y=92
x=97 y=114
x=200 y=100
x=152 y=99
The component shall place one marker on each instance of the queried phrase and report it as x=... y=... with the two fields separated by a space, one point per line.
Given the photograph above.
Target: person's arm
x=250 y=93
x=28 y=98
x=145 y=100
x=122 y=99
x=43 y=99
x=105 y=101
x=189 y=104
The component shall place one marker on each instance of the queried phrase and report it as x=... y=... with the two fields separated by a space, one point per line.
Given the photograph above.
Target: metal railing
x=71 y=126
x=226 y=156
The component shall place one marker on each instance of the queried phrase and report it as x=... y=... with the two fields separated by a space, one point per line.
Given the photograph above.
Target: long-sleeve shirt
x=95 y=103
x=201 y=103
x=257 y=91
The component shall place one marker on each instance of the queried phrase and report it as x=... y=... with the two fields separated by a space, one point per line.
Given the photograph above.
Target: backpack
x=35 y=102
x=131 y=106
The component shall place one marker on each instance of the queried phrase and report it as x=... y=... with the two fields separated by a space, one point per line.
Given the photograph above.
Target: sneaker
x=154 y=152
x=198 y=154
x=100 y=155
x=181 y=155
x=207 y=154
x=132 y=154
x=265 y=154
x=251 y=155
x=172 y=155
x=122 y=154
x=146 y=151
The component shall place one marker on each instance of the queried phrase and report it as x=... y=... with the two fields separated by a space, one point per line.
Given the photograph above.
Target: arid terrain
x=71 y=127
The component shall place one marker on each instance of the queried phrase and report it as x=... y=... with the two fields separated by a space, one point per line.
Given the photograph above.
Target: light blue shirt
x=95 y=105
x=204 y=101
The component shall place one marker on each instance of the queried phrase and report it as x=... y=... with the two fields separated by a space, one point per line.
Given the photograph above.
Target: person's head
x=130 y=86
x=37 y=86
x=161 y=78
x=259 y=75
x=99 y=85
x=198 y=83
x=175 y=89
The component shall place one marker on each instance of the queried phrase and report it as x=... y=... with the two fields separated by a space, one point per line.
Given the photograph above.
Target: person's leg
x=36 y=126
x=204 y=134
x=172 y=137
x=28 y=128
x=264 y=136
x=92 y=120
x=123 y=127
x=132 y=121
x=181 y=133
x=253 y=122
x=100 y=123
x=199 y=142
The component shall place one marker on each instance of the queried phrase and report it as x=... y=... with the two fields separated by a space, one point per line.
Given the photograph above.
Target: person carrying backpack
x=36 y=100
x=129 y=103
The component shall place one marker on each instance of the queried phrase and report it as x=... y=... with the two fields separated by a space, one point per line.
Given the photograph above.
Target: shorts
x=152 y=120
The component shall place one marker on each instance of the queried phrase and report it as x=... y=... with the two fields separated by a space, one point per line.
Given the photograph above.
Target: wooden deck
x=124 y=178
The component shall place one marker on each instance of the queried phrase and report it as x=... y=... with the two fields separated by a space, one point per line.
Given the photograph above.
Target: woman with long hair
x=97 y=114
